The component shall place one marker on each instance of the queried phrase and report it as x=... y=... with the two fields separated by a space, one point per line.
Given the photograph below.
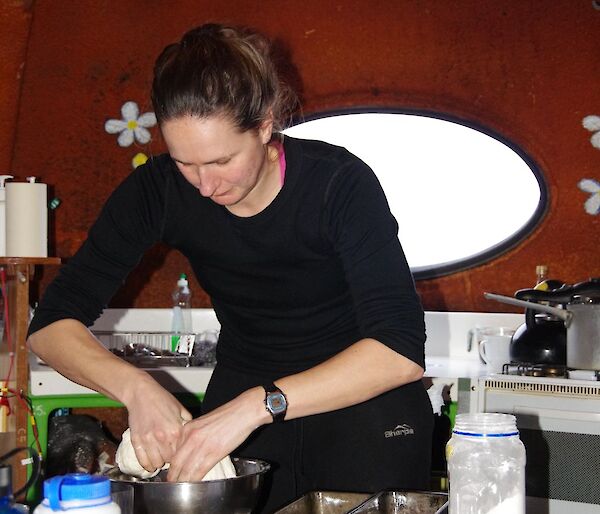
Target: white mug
x=495 y=351
x=478 y=334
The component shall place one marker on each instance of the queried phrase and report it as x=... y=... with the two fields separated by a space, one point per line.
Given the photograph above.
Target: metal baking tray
x=384 y=502
x=157 y=361
x=402 y=502
x=324 y=502
x=155 y=349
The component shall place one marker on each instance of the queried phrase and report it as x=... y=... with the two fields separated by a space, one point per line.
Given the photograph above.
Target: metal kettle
x=542 y=339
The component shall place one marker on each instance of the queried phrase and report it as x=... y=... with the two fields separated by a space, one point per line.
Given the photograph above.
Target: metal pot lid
x=581 y=299
x=564 y=294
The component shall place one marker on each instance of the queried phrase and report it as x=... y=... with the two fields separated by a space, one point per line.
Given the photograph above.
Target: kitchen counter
x=49 y=390
x=446 y=348
x=454 y=367
x=47 y=382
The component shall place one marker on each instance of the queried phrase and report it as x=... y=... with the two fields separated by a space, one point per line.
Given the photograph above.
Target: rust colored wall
x=15 y=19
x=528 y=70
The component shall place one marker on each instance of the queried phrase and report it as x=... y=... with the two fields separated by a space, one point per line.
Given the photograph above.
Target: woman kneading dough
x=321 y=347
x=129 y=464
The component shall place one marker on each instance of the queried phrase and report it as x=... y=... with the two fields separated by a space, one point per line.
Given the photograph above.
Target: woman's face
x=224 y=164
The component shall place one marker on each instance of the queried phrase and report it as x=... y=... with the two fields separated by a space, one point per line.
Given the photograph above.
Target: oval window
x=460 y=196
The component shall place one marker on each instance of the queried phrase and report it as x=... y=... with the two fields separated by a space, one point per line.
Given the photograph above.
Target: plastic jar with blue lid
x=486 y=465
x=77 y=493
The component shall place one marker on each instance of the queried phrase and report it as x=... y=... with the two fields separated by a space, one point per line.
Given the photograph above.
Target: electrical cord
x=26 y=402
x=35 y=461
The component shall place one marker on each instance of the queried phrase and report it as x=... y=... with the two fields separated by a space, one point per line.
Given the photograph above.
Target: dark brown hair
x=221 y=70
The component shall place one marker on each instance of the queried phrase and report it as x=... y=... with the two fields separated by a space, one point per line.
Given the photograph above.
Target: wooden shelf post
x=19 y=273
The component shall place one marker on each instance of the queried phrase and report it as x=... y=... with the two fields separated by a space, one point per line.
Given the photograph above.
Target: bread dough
x=127 y=460
x=222 y=469
x=129 y=465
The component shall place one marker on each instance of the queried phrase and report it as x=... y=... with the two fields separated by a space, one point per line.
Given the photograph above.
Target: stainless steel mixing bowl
x=229 y=496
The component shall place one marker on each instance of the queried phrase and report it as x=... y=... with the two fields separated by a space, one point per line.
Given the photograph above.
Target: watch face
x=276 y=403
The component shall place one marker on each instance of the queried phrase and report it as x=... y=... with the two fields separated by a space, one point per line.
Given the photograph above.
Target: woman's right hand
x=155 y=416
x=156 y=420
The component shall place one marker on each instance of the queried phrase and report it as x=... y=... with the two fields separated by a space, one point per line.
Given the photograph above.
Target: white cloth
x=129 y=464
x=435 y=397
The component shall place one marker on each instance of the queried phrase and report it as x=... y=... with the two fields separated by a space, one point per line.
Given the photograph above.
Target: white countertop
x=47 y=382
x=446 y=348
x=454 y=367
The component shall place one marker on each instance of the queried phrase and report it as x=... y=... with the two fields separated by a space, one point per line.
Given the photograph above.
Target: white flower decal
x=132 y=126
x=592 y=204
x=592 y=123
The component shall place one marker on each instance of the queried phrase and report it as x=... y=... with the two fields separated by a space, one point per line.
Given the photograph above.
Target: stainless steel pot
x=237 y=495
x=584 y=333
x=581 y=317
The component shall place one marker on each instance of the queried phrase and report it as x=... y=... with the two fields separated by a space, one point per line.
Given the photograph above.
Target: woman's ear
x=265 y=130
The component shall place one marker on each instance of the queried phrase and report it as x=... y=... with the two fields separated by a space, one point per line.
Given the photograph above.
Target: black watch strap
x=275 y=402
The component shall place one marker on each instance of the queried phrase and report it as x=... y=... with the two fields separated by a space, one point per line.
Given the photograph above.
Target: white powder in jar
x=513 y=505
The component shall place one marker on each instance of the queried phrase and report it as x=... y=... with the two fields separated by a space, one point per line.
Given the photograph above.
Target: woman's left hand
x=208 y=439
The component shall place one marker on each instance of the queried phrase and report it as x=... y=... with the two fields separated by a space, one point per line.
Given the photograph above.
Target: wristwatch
x=275 y=402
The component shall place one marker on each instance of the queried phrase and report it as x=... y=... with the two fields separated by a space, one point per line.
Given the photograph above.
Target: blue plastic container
x=77 y=493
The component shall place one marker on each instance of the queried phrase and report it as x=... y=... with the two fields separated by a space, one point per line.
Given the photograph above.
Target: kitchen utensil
x=402 y=502
x=486 y=465
x=581 y=317
x=495 y=351
x=122 y=494
x=443 y=509
x=477 y=334
x=324 y=502
x=542 y=339
x=239 y=494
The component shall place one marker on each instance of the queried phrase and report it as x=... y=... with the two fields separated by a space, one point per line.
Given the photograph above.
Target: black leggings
x=383 y=443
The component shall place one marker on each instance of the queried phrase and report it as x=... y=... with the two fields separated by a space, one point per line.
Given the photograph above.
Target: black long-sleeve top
x=317 y=270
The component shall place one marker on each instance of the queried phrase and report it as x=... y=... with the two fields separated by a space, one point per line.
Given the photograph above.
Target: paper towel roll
x=3 y=179
x=26 y=219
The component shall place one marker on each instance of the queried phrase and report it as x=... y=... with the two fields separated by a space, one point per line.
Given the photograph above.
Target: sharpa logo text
x=400 y=430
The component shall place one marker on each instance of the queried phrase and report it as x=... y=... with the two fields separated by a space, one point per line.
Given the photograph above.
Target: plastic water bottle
x=7 y=503
x=182 y=311
x=486 y=465
x=77 y=493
